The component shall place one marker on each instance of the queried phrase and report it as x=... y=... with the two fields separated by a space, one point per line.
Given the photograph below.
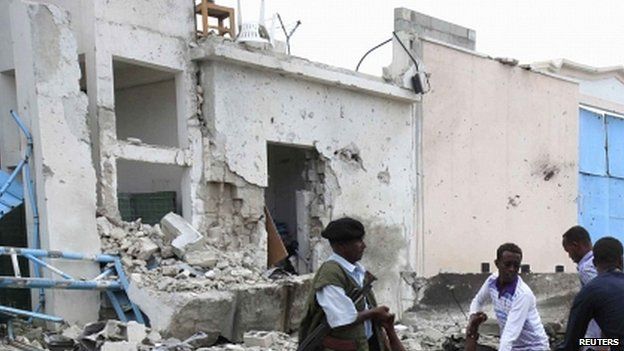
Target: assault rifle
x=314 y=340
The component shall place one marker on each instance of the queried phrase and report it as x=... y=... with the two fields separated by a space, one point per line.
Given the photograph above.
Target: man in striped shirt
x=514 y=305
x=577 y=243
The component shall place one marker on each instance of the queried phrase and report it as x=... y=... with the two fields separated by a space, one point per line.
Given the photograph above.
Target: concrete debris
x=196 y=266
x=204 y=259
x=181 y=289
x=507 y=61
x=136 y=332
x=119 y=346
x=73 y=332
x=201 y=339
x=259 y=338
x=180 y=232
x=134 y=141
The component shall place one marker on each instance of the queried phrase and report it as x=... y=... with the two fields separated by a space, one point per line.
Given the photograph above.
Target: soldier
x=354 y=324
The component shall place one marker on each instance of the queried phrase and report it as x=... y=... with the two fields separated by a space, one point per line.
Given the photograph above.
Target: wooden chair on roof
x=208 y=10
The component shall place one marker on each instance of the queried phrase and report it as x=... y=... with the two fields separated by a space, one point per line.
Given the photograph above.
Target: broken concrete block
x=198 y=314
x=114 y=330
x=119 y=346
x=73 y=332
x=126 y=261
x=259 y=307
x=117 y=233
x=104 y=226
x=241 y=272
x=201 y=339
x=258 y=339
x=234 y=347
x=153 y=337
x=211 y=274
x=166 y=252
x=134 y=141
x=146 y=248
x=204 y=259
x=136 y=332
x=180 y=232
x=170 y=271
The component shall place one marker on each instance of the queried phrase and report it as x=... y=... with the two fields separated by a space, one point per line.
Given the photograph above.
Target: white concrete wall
x=55 y=111
x=9 y=132
x=148 y=112
x=6 y=54
x=491 y=135
x=250 y=107
x=147 y=33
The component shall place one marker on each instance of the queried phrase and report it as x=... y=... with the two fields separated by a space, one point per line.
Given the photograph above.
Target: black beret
x=343 y=229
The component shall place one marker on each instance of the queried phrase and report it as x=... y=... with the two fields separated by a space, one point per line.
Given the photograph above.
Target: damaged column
x=55 y=110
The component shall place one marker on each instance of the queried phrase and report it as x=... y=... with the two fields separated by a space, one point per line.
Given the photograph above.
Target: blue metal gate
x=601 y=174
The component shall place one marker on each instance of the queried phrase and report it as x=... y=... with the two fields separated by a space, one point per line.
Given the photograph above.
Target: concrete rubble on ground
x=181 y=280
x=436 y=322
x=172 y=256
x=200 y=298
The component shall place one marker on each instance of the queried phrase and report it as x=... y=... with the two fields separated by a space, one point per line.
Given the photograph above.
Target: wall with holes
x=499 y=162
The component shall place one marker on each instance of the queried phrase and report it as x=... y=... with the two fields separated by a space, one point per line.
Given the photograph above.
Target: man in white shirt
x=577 y=243
x=514 y=305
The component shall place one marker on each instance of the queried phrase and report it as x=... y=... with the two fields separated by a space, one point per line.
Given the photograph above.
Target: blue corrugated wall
x=601 y=174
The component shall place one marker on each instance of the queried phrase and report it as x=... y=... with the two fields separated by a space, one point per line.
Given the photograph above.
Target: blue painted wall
x=601 y=174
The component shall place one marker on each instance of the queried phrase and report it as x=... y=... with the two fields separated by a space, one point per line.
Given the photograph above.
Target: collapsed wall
x=185 y=284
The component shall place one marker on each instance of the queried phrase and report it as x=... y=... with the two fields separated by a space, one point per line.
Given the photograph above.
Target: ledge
x=228 y=52
x=152 y=154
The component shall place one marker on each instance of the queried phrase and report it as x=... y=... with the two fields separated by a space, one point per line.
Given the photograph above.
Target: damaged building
x=185 y=155
x=133 y=119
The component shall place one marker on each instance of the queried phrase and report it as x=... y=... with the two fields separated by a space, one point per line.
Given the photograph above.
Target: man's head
x=508 y=259
x=576 y=243
x=608 y=254
x=346 y=236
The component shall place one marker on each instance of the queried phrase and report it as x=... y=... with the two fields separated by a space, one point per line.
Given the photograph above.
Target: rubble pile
x=181 y=280
x=173 y=257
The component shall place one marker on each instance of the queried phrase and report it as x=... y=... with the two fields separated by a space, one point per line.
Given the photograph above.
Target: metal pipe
x=16 y=268
x=30 y=187
x=10 y=332
x=101 y=258
x=21 y=125
x=104 y=274
x=71 y=284
x=53 y=269
x=18 y=312
x=126 y=285
x=116 y=306
x=12 y=177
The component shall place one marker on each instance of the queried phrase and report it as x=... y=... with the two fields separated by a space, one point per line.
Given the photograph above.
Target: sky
x=339 y=32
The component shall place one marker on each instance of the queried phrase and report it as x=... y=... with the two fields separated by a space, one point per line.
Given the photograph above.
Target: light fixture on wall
x=420 y=81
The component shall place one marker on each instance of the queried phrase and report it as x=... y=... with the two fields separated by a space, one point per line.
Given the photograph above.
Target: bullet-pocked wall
x=364 y=135
x=108 y=37
x=499 y=161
